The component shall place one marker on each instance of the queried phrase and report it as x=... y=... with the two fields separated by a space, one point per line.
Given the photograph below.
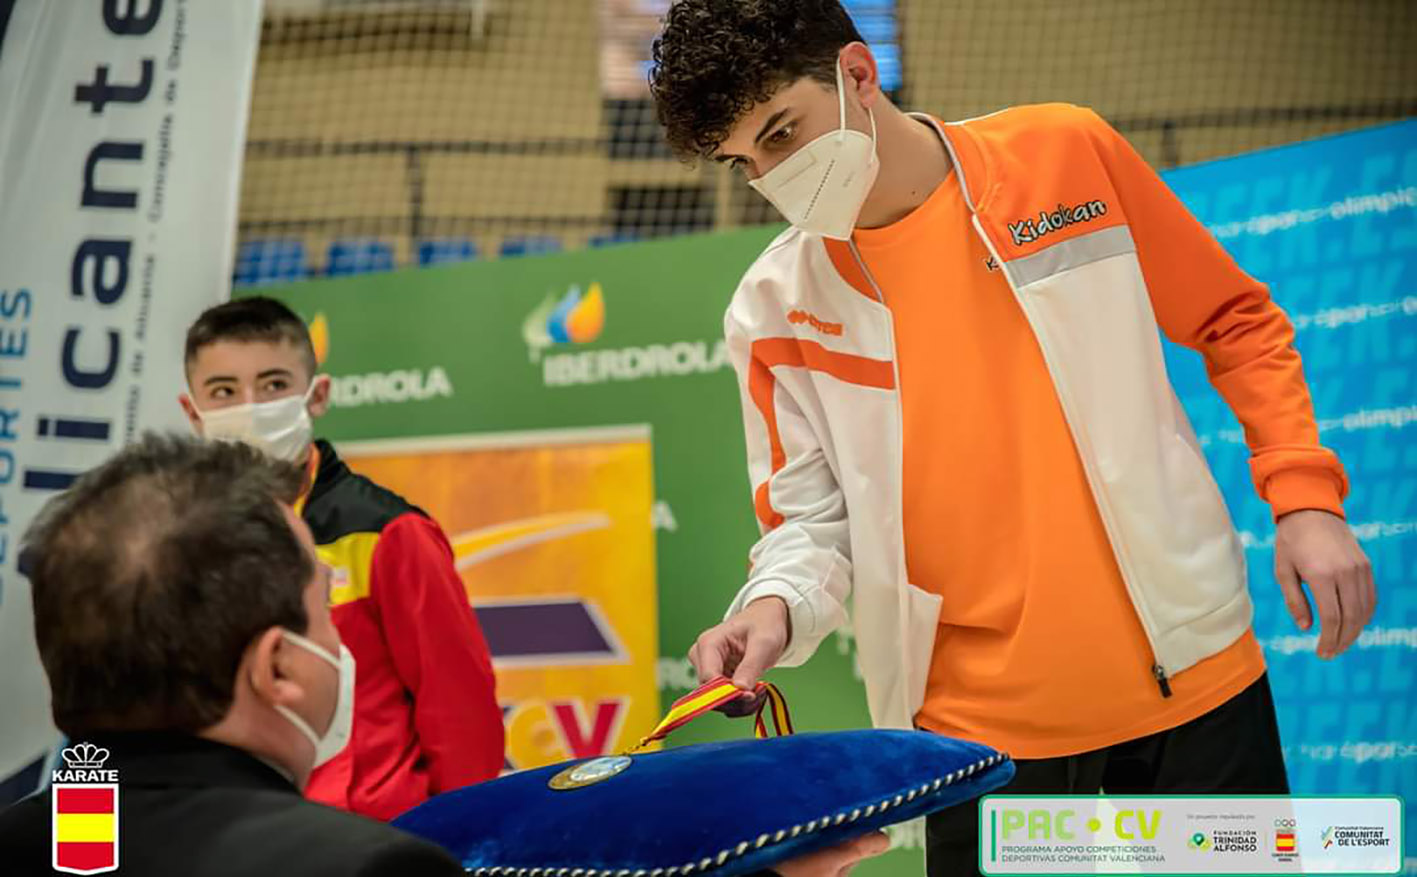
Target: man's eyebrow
x=218 y=379
x=767 y=126
x=771 y=123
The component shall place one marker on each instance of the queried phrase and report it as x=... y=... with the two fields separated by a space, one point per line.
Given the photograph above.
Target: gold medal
x=588 y=773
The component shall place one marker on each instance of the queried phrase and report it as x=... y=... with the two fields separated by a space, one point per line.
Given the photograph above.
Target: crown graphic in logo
x=85 y=756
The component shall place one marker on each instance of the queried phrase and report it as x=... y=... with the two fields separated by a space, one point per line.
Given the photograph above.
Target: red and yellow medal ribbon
x=714 y=694
x=775 y=703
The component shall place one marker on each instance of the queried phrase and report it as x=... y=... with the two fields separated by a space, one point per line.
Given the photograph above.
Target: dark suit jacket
x=194 y=808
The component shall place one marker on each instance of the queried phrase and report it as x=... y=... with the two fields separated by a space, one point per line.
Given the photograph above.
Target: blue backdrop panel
x=1331 y=226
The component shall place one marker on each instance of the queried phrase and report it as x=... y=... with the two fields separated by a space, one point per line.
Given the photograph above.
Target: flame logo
x=320 y=338
x=573 y=318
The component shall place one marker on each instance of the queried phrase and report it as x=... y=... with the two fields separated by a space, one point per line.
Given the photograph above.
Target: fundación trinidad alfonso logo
x=572 y=318
x=1198 y=841
x=85 y=812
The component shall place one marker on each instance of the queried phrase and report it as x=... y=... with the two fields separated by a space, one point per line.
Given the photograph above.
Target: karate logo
x=85 y=812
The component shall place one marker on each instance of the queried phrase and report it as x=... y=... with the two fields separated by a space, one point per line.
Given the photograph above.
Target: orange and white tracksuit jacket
x=1098 y=253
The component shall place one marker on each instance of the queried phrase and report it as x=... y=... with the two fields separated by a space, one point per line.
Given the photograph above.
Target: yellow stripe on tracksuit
x=85 y=827
x=350 y=559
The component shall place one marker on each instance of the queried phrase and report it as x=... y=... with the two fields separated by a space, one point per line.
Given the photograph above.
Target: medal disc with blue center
x=588 y=773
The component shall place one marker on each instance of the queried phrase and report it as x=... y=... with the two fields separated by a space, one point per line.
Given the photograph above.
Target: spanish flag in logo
x=1284 y=841
x=85 y=828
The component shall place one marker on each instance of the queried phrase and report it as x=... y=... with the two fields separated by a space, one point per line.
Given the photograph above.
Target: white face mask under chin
x=336 y=736
x=281 y=428
x=820 y=188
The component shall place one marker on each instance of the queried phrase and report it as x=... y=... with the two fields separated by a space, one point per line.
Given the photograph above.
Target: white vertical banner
x=122 y=126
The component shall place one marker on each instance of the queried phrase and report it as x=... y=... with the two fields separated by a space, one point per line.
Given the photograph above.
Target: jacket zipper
x=1160 y=673
x=1158 y=670
x=899 y=419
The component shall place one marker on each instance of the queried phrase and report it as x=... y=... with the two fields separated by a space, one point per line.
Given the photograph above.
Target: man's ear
x=267 y=669
x=189 y=408
x=319 y=395
x=861 y=74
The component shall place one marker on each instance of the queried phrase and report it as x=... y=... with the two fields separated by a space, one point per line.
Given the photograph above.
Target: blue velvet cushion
x=718 y=808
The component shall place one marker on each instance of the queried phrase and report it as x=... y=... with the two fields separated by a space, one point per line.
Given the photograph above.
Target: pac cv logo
x=85 y=812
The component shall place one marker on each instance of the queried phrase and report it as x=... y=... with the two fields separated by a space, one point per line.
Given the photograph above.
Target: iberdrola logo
x=408 y=384
x=573 y=318
x=320 y=338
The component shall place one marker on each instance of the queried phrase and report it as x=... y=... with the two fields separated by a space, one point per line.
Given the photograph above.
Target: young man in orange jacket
x=426 y=717
x=958 y=416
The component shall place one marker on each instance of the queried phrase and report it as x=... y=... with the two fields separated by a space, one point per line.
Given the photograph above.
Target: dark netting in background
x=391 y=133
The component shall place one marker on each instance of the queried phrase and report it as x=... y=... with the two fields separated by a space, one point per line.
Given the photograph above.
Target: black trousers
x=1232 y=750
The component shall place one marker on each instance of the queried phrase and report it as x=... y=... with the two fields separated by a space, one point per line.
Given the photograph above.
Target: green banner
x=614 y=337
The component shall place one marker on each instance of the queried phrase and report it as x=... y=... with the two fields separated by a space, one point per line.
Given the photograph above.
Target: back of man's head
x=153 y=573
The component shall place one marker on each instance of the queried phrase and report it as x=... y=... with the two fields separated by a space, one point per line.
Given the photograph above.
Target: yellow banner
x=554 y=543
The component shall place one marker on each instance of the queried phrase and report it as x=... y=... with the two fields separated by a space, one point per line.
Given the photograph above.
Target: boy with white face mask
x=181 y=613
x=959 y=423
x=426 y=719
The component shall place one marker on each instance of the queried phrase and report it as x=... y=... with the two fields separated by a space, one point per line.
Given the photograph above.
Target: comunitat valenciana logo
x=1355 y=836
x=84 y=812
x=574 y=318
x=377 y=388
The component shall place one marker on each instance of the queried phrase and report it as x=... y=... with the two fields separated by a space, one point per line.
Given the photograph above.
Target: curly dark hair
x=716 y=59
